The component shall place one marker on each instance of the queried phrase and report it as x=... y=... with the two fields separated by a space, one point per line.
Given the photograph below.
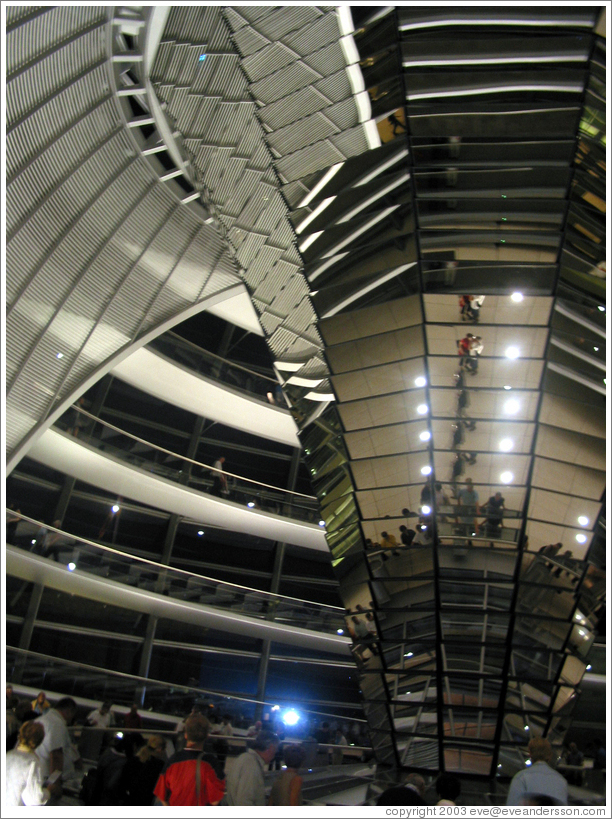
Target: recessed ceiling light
x=506 y=444
x=506 y=477
x=512 y=352
x=589 y=667
x=321 y=523
x=425 y=470
x=601 y=308
x=200 y=532
x=420 y=381
x=511 y=407
x=426 y=510
x=115 y=507
x=408 y=654
x=581 y=538
x=517 y=297
x=251 y=504
x=507 y=387
x=339 y=631
x=596 y=349
x=71 y=567
x=59 y=355
x=425 y=435
x=583 y=521
x=422 y=409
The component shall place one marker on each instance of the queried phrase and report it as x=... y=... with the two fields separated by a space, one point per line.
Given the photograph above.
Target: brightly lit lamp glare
x=583 y=521
x=321 y=523
x=426 y=510
x=581 y=538
x=512 y=352
x=507 y=387
x=71 y=567
x=506 y=444
x=425 y=470
x=425 y=435
x=601 y=308
x=291 y=717
x=511 y=407
x=517 y=297
x=275 y=708
x=420 y=381
x=422 y=409
x=506 y=477
x=115 y=508
x=200 y=532
x=251 y=504
x=339 y=631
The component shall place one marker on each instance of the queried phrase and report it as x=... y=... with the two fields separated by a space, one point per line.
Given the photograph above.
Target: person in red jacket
x=179 y=783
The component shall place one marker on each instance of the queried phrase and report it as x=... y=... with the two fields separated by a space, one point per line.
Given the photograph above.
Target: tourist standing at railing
x=41 y=704
x=100 y=717
x=540 y=779
x=56 y=752
x=133 y=719
x=219 y=486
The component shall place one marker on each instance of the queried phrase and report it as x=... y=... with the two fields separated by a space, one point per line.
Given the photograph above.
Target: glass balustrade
x=243 y=379
x=79 y=555
x=170 y=465
x=162 y=704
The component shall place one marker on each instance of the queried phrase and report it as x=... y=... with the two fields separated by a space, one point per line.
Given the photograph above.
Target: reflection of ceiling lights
x=583 y=521
x=506 y=444
x=320 y=185
x=507 y=387
x=426 y=510
x=581 y=538
x=512 y=352
x=422 y=409
x=425 y=470
x=601 y=308
x=425 y=435
x=511 y=407
x=420 y=381
x=506 y=477
x=517 y=297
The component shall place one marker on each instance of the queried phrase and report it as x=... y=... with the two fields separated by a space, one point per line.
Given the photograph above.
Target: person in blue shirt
x=538 y=780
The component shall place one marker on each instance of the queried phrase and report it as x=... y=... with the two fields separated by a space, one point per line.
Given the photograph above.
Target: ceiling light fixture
x=425 y=435
x=422 y=409
x=420 y=381
x=517 y=297
x=512 y=352
x=583 y=521
x=506 y=444
x=506 y=477
x=511 y=407
x=425 y=470
x=581 y=538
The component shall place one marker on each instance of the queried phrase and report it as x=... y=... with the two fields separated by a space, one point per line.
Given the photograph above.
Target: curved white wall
x=157 y=375
x=66 y=454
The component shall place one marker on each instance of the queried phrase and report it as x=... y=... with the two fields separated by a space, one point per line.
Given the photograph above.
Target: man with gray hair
x=245 y=780
x=538 y=780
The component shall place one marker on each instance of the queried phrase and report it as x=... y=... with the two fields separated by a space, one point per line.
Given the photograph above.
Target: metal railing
x=143 y=454
x=82 y=555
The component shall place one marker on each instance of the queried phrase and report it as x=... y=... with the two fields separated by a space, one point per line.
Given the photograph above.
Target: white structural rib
x=36 y=569
x=64 y=453
x=157 y=375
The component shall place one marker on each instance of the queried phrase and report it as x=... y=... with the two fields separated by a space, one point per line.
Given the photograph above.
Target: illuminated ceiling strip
x=327 y=263
x=320 y=396
x=370 y=223
x=304 y=382
x=363 y=290
x=499 y=89
x=404 y=178
x=289 y=366
x=312 y=216
x=331 y=172
x=380 y=14
x=307 y=242
x=556 y=58
x=380 y=168
x=487 y=21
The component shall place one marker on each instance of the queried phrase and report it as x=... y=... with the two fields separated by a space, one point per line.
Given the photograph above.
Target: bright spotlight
x=425 y=470
x=507 y=387
x=251 y=504
x=408 y=654
x=528 y=762
x=511 y=407
x=275 y=708
x=506 y=477
x=115 y=507
x=581 y=538
x=291 y=717
x=71 y=567
x=506 y=444
x=583 y=521
x=321 y=523
x=589 y=667
x=422 y=409
x=59 y=355
x=426 y=510
x=425 y=435
x=339 y=631
x=200 y=532
x=526 y=727
x=33 y=542
x=420 y=381
x=517 y=297
x=601 y=308
x=512 y=352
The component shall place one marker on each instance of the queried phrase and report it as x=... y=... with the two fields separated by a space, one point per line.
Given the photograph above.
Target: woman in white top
x=24 y=778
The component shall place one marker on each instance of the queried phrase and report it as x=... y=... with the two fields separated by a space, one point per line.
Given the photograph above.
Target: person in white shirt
x=24 y=780
x=245 y=779
x=101 y=717
x=56 y=752
x=538 y=780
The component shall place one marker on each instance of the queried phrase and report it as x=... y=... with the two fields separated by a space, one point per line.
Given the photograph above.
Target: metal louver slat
x=278 y=85
x=300 y=104
x=248 y=41
x=279 y=21
x=302 y=133
x=272 y=58
x=319 y=33
x=330 y=58
x=308 y=160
